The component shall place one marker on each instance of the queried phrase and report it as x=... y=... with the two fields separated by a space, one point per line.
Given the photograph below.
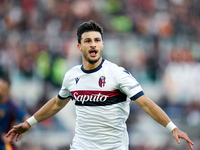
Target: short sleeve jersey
x=102 y=97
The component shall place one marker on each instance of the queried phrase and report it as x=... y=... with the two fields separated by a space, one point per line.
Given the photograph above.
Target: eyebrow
x=90 y=38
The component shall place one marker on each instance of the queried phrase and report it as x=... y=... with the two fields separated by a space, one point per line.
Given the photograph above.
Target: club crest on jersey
x=102 y=81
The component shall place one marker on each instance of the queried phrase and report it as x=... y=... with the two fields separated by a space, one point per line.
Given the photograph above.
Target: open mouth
x=93 y=52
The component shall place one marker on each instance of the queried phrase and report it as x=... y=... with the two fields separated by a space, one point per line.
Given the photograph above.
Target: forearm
x=153 y=110
x=157 y=113
x=52 y=107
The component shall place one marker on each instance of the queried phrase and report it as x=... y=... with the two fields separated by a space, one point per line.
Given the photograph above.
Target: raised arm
x=52 y=107
x=161 y=117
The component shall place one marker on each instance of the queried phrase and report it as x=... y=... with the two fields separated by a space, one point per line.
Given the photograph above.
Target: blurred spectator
x=9 y=113
x=181 y=78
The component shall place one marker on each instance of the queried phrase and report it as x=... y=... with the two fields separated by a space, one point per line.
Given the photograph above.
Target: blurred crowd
x=156 y=40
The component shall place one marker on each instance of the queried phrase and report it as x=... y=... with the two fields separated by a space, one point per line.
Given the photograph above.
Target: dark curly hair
x=88 y=26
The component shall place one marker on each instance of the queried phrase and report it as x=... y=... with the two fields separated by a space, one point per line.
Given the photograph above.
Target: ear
x=79 y=47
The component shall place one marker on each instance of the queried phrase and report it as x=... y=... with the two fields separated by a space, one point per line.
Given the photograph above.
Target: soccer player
x=9 y=113
x=102 y=92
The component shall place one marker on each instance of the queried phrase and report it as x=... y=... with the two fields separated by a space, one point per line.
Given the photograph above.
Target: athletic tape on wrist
x=32 y=121
x=171 y=126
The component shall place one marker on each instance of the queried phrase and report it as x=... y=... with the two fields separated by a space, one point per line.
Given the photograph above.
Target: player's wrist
x=32 y=121
x=171 y=126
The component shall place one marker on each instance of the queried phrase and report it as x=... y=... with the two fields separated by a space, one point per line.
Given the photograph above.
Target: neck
x=90 y=66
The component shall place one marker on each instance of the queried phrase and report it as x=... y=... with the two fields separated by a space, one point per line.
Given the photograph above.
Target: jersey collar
x=93 y=70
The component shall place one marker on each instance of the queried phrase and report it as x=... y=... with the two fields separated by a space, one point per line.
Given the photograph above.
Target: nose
x=93 y=44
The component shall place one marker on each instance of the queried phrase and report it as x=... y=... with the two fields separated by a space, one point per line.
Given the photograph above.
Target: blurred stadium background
x=158 y=41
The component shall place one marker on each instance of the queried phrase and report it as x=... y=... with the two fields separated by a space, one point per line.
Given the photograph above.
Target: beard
x=92 y=61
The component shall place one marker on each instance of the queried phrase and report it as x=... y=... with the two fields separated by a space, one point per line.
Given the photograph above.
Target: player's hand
x=178 y=134
x=3 y=138
x=17 y=130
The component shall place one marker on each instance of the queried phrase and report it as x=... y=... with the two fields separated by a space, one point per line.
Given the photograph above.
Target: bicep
x=61 y=102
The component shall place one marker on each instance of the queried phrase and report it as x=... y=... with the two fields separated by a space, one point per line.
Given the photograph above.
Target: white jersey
x=102 y=106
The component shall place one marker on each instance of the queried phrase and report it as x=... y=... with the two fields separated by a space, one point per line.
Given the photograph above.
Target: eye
x=87 y=41
x=97 y=40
